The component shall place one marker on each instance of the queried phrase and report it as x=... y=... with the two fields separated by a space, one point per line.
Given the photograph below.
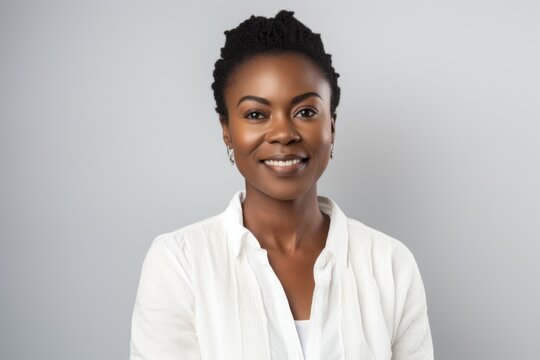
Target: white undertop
x=302 y=326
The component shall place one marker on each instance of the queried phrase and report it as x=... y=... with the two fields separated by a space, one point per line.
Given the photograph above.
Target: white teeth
x=282 y=163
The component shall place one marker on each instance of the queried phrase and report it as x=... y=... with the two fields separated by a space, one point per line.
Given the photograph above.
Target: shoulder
x=183 y=242
x=172 y=252
x=381 y=248
x=185 y=235
x=387 y=261
x=386 y=269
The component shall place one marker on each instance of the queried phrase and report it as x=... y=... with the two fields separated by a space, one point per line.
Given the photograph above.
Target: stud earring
x=230 y=153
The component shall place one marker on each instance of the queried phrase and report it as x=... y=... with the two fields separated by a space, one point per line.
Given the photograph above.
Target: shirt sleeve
x=163 y=321
x=412 y=336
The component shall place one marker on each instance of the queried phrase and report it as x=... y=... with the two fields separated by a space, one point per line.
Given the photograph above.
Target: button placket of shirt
x=256 y=346
x=286 y=320
x=322 y=273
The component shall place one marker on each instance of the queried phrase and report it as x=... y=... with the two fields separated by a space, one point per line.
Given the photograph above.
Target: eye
x=254 y=115
x=306 y=112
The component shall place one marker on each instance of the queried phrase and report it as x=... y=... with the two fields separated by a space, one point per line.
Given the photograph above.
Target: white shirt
x=207 y=291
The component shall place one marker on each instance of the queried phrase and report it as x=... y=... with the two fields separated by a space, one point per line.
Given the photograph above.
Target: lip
x=284 y=157
x=286 y=170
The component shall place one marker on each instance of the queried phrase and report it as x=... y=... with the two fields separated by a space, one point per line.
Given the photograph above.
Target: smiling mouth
x=285 y=168
x=283 y=163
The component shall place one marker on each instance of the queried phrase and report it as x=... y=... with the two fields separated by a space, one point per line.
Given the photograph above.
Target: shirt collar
x=338 y=235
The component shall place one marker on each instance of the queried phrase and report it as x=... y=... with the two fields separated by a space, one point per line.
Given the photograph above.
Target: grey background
x=109 y=138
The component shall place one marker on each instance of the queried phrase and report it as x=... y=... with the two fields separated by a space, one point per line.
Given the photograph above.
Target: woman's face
x=279 y=107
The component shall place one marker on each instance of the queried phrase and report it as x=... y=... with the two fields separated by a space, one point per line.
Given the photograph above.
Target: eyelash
x=252 y=112
x=308 y=109
x=299 y=111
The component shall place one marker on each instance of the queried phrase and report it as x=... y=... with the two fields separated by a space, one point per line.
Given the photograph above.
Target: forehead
x=282 y=75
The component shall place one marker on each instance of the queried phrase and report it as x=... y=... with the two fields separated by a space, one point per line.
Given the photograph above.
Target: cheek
x=246 y=139
x=322 y=143
x=321 y=139
x=327 y=137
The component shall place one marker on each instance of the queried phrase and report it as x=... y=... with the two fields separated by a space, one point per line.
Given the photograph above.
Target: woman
x=282 y=273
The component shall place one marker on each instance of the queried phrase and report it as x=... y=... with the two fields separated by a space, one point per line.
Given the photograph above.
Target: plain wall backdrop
x=109 y=137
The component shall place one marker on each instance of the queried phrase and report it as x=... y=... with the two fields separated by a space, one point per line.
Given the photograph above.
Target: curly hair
x=258 y=35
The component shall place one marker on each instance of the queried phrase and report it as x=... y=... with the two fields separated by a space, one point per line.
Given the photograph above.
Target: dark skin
x=288 y=113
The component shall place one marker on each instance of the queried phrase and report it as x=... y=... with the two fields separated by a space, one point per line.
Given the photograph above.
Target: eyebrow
x=295 y=100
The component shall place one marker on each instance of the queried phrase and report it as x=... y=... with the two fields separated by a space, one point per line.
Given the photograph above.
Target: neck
x=280 y=225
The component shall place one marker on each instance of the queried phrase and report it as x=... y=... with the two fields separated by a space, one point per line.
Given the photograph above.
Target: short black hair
x=258 y=35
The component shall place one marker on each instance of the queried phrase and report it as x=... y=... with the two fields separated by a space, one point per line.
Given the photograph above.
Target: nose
x=282 y=130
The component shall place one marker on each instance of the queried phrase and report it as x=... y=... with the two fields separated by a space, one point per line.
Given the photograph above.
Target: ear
x=226 y=131
x=334 y=118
